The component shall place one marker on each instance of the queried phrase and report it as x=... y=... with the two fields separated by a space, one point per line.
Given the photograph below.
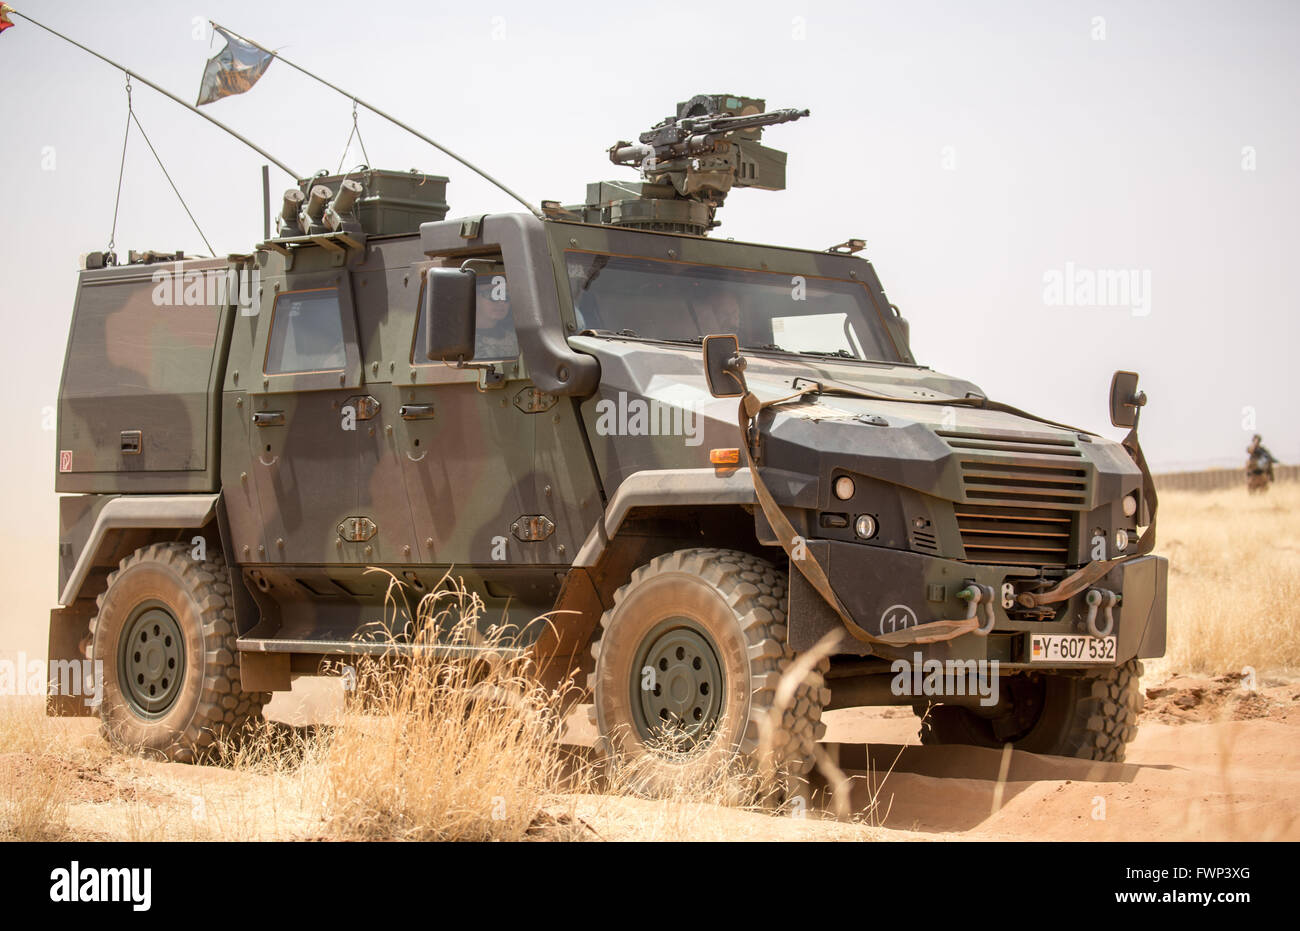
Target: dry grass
x=450 y=754
x=1234 y=579
x=438 y=749
x=469 y=750
x=36 y=792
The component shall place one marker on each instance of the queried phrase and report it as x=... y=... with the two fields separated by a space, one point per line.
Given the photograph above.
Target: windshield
x=766 y=310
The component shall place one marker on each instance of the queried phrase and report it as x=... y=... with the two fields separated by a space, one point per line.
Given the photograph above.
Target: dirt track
x=1225 y=767
x=1212 y=761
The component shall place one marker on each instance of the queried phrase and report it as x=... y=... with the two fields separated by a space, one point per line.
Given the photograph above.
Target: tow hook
x=974 y=595
x=1101 y=598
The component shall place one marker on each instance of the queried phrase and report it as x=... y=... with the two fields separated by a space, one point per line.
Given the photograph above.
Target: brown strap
x=750 y=407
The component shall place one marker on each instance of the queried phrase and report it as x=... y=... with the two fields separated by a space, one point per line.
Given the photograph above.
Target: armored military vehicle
x=546 y=405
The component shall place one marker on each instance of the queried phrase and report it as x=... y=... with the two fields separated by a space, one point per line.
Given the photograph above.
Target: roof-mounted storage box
x=391 y=201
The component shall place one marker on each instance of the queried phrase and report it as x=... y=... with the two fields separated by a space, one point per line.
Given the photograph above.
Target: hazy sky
x=988 y=153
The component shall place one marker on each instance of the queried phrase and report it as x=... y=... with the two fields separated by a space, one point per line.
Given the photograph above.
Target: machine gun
x=693 y=135
x=689 y=163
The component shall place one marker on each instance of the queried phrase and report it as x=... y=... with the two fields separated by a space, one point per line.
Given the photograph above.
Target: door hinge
x=534 y=400
x=357 y=529
x=531 y=528
x=363 y=405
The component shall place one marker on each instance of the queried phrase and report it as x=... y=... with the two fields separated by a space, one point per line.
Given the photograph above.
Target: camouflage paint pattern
x=450 y=484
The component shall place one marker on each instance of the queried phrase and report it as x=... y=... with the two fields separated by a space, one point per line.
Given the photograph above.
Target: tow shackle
x=975 y=594
x=1106 y=600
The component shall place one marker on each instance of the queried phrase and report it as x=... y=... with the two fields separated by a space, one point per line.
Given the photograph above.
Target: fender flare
x=137 y=512
x=685 y=488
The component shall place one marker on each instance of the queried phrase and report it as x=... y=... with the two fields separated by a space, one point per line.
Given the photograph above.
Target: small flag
x=5 y=21
x=233 y=70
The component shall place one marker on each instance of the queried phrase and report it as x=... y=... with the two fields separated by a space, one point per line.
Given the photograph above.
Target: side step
x=366 y=648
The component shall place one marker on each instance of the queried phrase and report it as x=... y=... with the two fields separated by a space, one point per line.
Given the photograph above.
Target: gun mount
x=689 y=163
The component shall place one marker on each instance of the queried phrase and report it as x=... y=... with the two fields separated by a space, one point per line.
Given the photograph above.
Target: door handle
x=268 y=418
x=416 y=411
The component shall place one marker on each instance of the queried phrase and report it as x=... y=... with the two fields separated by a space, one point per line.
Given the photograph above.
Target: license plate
x=1071 y=648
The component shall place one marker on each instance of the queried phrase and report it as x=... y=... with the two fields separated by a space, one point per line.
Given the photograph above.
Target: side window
x=306 y=333
x=494 y=336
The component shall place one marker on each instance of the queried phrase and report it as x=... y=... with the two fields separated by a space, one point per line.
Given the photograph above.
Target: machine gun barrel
x=693 y=135
x=726 y=124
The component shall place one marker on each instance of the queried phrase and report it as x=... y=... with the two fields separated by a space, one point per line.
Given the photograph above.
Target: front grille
x=1023 y=471
x=1015 y=536
x=1010 y=443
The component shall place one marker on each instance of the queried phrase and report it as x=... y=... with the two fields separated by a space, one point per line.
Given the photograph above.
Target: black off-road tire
x=739 y=600
x=1093 y=716
x=209 y=705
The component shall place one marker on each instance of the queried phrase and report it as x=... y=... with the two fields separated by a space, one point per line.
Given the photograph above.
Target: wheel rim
x=151 y=661
x=678 y=687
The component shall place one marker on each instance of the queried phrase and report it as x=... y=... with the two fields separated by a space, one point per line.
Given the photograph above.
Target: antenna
x=392 y=119
x=166 y=93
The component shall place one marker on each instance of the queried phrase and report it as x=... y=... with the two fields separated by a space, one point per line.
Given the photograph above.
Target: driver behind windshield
x=717 y=310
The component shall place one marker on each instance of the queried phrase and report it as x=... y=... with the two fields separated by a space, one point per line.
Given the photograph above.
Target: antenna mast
x=392 y=119
x=166 y=93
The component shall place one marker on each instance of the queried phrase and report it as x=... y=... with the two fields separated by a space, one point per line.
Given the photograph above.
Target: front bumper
x=884 y=589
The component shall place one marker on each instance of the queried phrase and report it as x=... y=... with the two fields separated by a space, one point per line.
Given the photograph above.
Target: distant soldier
x=1259 y=466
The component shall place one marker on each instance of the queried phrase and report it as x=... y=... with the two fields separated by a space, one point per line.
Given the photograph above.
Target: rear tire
x=165 y=636
x=1092 y=716
x=710 y=623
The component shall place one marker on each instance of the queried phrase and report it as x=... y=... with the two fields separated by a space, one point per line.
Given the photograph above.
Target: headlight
x=1121 y=540
x=865 y=526
x=844 y=488
x=1130 y=505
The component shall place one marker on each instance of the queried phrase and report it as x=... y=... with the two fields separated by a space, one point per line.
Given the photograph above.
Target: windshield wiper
x=837 y=354
x=594 y=332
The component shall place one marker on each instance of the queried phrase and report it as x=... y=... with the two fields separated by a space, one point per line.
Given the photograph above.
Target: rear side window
x=306 y=333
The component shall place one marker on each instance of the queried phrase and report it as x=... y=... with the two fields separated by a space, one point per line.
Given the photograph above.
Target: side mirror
x=724 y=366
x=449 y=312
x=1125 y=399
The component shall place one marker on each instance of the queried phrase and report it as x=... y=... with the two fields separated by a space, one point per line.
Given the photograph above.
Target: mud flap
x=72 y=685
x=264 y=672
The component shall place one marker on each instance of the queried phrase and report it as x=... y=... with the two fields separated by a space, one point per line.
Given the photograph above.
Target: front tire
x=164 y=643
x=1092 y=716
x=687 y=666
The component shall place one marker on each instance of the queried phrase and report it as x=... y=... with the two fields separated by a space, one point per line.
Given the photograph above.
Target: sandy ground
x=1213 y=760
